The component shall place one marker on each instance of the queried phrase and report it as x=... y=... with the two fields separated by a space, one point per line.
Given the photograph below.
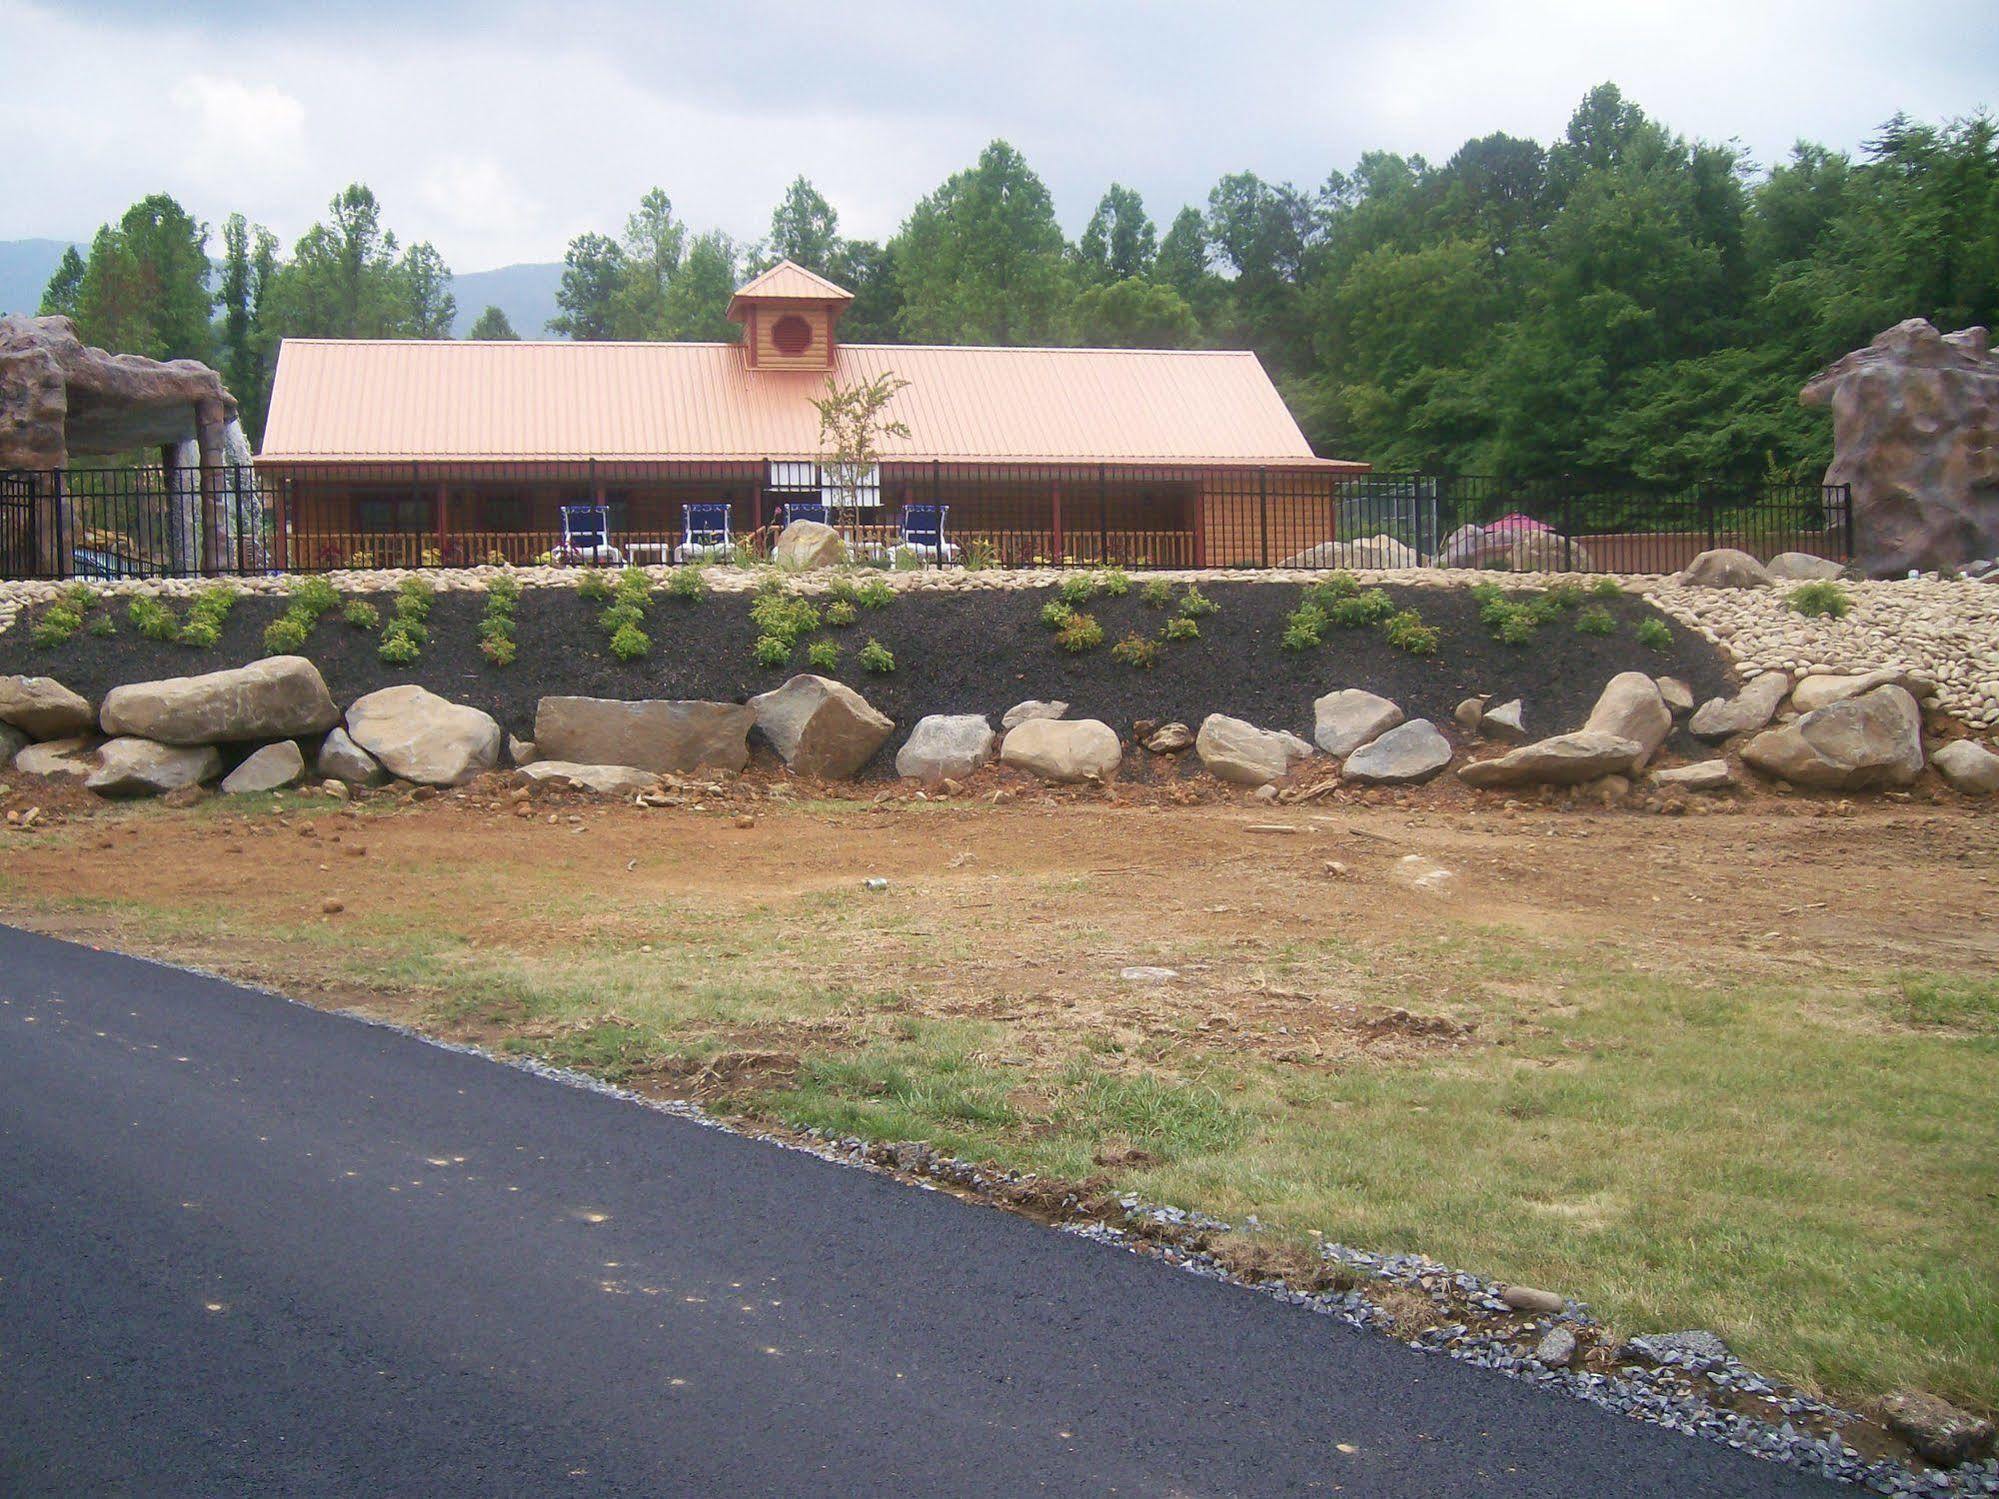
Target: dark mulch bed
x=971 y=652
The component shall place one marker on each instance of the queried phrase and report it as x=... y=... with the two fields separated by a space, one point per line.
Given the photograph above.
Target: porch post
x=443 y=520
x=1055 y=506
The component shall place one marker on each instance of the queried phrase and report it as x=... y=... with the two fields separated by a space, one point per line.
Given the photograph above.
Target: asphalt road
x=249 y=1247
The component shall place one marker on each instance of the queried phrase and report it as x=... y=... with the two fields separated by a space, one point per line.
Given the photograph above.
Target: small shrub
x=634 y=585
x=1654 y=634
x=1821 y=600
x=1055 y=614
x=102 y=624
x=284 y=636
x=314 y=596
x=620 y=615
x=784 y=616
x=980 y=554
x=503 y=594
x=875 y=658
x=874 y=594
x=1077 y=589
x=770 y=651
x=57 y=624
x=1596 y=620
x=1516 y=626
x=769 y=582
x=1081 y=633
x=1543 y=610
x=496 y=627
x=1157 y=593
x=499 y=650
x=594 y=586
x=1565 y=596
x=843 y=591
x=415 y=629
x=1116 y=582
x=1486 y=594
x=1606 y=588
x=152 y=619
x=78 y=598
x=630 y=643
x=1334 y=586
x=398 y=647
x=823 y=656
x=1300 y=634
x=414 y=597
x=361 y=614
x=1407 y=632
x=200 y=633
x=908 y=560
x=1195 y=604
x=841 y=613
x=211 y=606
x=1182 y=628
x=1368 y=607
x=1137 y=651
x=688 y=584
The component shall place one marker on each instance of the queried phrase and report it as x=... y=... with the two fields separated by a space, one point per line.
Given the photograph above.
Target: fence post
x=1707 y=512
x=1263 y=512
x=1568 y=523
x=1846 y=518
x=1103 y=519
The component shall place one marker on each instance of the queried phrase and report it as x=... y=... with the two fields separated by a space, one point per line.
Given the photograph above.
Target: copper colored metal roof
x=360 y=401
x=787 y=281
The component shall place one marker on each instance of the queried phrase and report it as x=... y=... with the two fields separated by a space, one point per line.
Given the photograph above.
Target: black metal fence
x=221 y=520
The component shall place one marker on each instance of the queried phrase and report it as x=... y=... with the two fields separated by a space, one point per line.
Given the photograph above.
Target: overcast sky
x=499 y=130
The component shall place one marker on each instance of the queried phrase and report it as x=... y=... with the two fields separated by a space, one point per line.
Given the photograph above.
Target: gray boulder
x=1749 y=710
x=1245 y=755
x=522 y=751
x=1406 y=755
x=1725 y=567
x=1823 y=689
x=271 y=768
x=1173 y=738
x=1875 y=739
x=1631 y=708
x=341 y=759
x=1702 y=775
x=946 y=744
x=129 y=766
x=1507 y=721
x=1677 y=695
x=819 y=727
x=42 y=708
x=1802 y=567
x=1939 y=1431
x=12 y=742
x=1969 y=767
x=57 y=757
x=1020 y=713
x=424 y=738
x=280 y=697
x=1063 y=749
x=1564 y=760
x=606 y=780
x=658 y=735
x=806 y=544
x=1345 y=720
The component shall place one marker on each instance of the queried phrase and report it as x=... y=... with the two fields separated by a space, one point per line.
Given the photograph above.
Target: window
x=392 y=516
x=791 y=334
x=503 y=512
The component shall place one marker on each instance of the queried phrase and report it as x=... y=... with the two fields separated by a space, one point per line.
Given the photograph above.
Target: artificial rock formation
x=1915 y=431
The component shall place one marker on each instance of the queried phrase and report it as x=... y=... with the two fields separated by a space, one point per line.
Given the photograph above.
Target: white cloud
x=500 y=130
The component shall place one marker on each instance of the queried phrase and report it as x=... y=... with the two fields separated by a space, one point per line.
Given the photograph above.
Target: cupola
x=788 y=314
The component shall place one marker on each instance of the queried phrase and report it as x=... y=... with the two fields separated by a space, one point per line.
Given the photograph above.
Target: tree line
x=1622 y=302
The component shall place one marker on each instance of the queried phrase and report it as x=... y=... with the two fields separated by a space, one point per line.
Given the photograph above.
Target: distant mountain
x=525 y=293
x=27 y=264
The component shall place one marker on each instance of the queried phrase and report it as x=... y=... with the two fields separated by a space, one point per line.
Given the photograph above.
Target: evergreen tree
x=591 y=274
x=981 y=259
x=64 y=293
x=804 y=229
x=492 y=326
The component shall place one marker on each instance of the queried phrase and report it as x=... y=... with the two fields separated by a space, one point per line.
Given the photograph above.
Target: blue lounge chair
x=706 y=534
x=812 y=510
x=586 y=536
x=923 y=533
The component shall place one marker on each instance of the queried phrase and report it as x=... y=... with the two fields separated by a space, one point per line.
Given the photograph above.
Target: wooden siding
x=764 y=352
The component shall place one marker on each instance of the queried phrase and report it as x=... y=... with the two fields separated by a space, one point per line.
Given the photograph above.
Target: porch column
x=1055 y=514
x=443 y=521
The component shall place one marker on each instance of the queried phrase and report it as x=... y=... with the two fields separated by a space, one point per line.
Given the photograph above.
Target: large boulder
x=1749 y=710
x=1823 y=689
x=271 y=768
x=806 y=544
x=280 y=697
x=1725 y=567
x=129 y=766
x=819 y=727
x=1632 y=707
x=1063 y=749
x=653 y=734
x=1368 y=552
x=1875 y=739
x=1345 y=720
x=1406 y=755
x=42 y=708
x=1245 y=755
x=1970 y=768
x=606 y=780
x=1564 y=760
x=341 y=759
x=946 y=745
x=1548 y=552
x=1915 y=431
x=1802 y=567
x=57 y=757
x=423 y=737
